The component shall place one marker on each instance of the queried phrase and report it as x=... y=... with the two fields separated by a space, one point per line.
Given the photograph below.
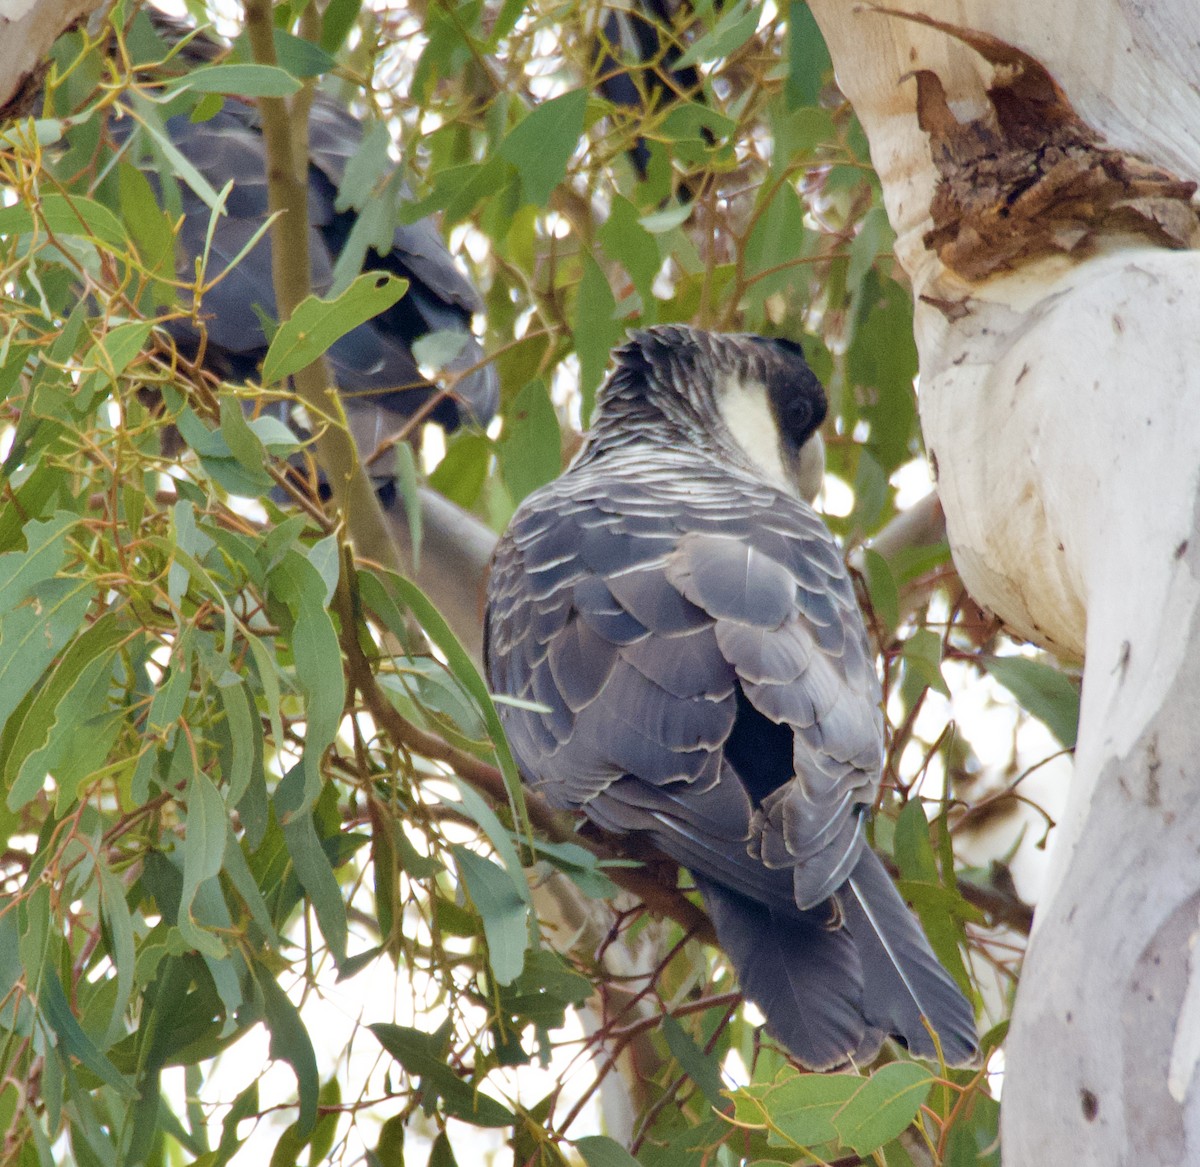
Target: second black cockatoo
x=373 y=365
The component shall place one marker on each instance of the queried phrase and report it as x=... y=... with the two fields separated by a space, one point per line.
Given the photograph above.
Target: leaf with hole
x=316 y=324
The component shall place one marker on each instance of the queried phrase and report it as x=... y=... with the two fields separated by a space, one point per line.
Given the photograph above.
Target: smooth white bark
x=1061 y=401
x=27 y=30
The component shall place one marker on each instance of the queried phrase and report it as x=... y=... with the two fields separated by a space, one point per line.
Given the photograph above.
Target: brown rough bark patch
x=1030 y=178
x=27 y=30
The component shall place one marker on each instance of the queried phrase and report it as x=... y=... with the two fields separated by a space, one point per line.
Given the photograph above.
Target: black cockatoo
x=373 y=365
x=684 y=624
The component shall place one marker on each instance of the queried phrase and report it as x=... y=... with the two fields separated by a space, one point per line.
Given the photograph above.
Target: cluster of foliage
x=230 y=764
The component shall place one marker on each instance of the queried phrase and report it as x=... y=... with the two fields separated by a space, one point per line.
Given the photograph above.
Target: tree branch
x=664 y=899
x=285 y=135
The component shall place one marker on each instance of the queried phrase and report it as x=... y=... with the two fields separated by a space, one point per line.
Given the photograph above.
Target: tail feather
x=902 y=979
x=805 y=977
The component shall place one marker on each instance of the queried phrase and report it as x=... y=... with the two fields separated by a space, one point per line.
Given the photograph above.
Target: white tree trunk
x=1060 y=401
x=27 y=30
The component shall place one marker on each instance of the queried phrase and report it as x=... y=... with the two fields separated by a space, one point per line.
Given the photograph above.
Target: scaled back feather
x=686 y=622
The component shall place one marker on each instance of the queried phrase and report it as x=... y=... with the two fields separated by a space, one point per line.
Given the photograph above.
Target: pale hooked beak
x=810 y=473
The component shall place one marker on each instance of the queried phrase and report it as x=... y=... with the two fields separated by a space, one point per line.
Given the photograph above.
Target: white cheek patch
x=747 y=415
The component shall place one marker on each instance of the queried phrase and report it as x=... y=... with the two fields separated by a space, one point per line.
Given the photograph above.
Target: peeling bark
x=27 y=30
x=1029 y=177
x=1060 y=399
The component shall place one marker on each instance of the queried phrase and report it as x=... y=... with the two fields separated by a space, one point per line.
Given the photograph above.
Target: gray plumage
x=373 y=365
x=686 y=623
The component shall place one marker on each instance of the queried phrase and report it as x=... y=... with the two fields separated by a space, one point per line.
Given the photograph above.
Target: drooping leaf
x=702 y=1068
x=596 y=330
x=290 y=1042
x=317 y=656
x=31 y=637
x=22 y=571
x=531 y=448
x=541 y=144
x=421 y=1056
x=57 y=1011
x=1042 y=690
x=35 y=744
x=807 y=57
x=203 y=852
x=315 y=873
x=503 y=910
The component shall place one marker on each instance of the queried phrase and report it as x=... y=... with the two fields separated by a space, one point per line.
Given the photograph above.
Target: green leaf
x=913 y=851
x=734 y=29
x=503 y=910
x=239 y=722
x=410 y=495
x=541 y=144
x=475 y=807
x=33 y=635
x=317 y=323
x=544 y=990
x=923 y=654
x=596 y=330
x=808 y=60
x=245 y=1106
x=1044 y=691
x=36 y=741
x=702 y=1068
x=667 y=218
x=243 y=441
x=581 y=865
x=318 y=660
x=601 y=1151
x=531 y=447
x=203 y=852
x=874 y=236
x=389 y=1150
x=180 y=166
x=110 y=357
x=291 y=1043
x=461 y=666
x=66 y=215
x=800 y=1108
x=171 y=695
x=238 y=81
x=326 y=556
x=627 y=241
x=422 y=1057
x=121 y=951
x=884 y=1107
x=315 y=873
x=365 y=171
x=57 y=1010
x=321 y=1142
x=881 y=584
x=882 y=358
x=45 y=550
x=299 y=57
x=441 y=1154
x=338 y=20
x=460 y=475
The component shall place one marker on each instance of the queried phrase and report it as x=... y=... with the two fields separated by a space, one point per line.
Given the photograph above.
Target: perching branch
x=285 y=136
